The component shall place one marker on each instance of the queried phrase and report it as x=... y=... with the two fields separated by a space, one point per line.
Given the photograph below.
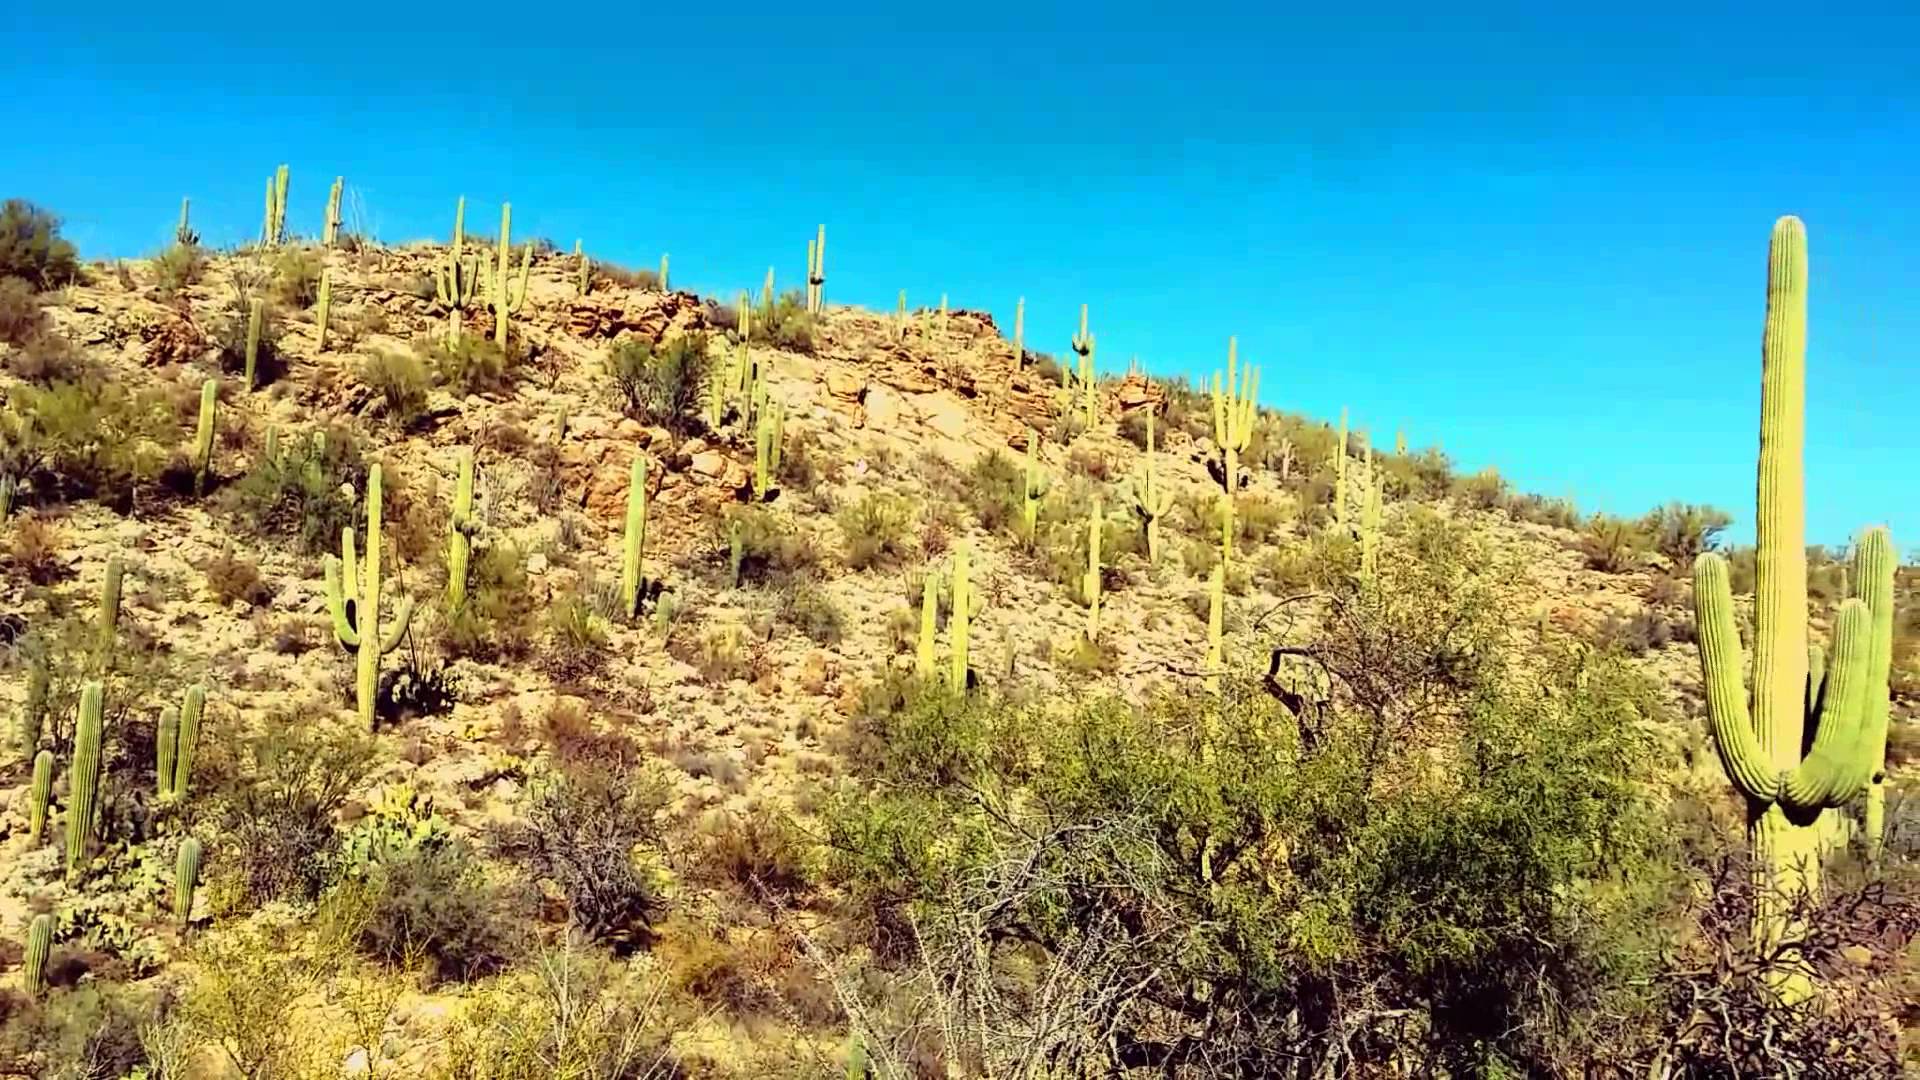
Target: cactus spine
x=1032 y=489
x=203 y=436
x=39 y=947
x=353 y=599
x=325 y=305
x=1340 y=472
x=1090 y=584
x=960 y=622
x=505 y=297
x=1233 y=414
x=929 y=618
x=633 y=552
x=585 y=278
x=183 y=233
x=256 y=314
x=460 y=531
x=83 y=796
x=330 y=230
x=186 y=876
x=38 y=795
x=817 y=273
x=1151 y=499
x=455 y=284
x=1787 y=788
x=1216 y=627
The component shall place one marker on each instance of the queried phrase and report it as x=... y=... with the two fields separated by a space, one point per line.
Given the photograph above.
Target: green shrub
x=993 y=490
x=811 y=609
x=47 y=357
x=435 y=903
x=1681 y=531
x=298 y=493
x=230 y=336
x=581 y=831
x=772 y=547
x=495 y=622
x=32 y=248
x=874 y=529
x=93 y=439
x=1614 y=545
x=662 y=384
x=21 y=316
x=474 y=364
x=1484 y=490
x=178 y=267
x=279 y=810
x=296 y=278
x=786 y=325
x=401 y=381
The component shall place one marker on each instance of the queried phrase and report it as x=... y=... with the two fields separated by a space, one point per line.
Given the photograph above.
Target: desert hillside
x=531 y=813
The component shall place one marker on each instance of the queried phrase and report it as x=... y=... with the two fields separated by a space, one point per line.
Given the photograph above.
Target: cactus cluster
x=353 y=599
x=816 y=273
x=1233 y=416
x=330 y=228
x=1151 y=499
x=738 y=386
x=175 y=739
x=273 y=228
x=456 y=283
x=965 y=603
x=1814 y=736
x=506 y=295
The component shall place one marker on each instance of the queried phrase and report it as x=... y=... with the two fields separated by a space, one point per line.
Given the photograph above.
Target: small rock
x=709 y=463
x=537 y=563
x=1858 y=954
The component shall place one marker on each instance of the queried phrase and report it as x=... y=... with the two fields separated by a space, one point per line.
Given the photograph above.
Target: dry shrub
x=235 y=577
x=34 y=550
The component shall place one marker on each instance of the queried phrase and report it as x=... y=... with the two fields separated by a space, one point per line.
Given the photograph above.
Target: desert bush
x=581 y=830
x=809 y=608
x=1614 y=545
x=1559 y=513
x=235 y=577
x=575 y=1014
x=178 y=267
x=1259 y=520
x=21 y=316
x=662 y=383
x=401 y=381
x=31 y=247
x=786 y=324
x=298 y=492
x=1681 y=531
x=242 y=999
x=621 y=277
x=279 y=809
x=577 y=634
x=95 y=439
x=296 y=278
x=230 y=336
x=874 y=529
x=48 y=357
x=992 y=489
x=763 y=852
x=495 y=622
x=473 y=364
x=773 y=548
x=90 y=1031
x=33 y=550
x=1205 y=871
x=1483 y=490
x=435 y=903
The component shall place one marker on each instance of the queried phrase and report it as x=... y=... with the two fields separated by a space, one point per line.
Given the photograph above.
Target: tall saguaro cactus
x=1790 y=775
x=1233 y=415
x=960 y=623
x=203 y=436
x=186 y=877
x=460 y=529
x=330 y=230
x=183 y=233
x=37 y=796
x=1090 y=582
x=322 y=309
x=1151 y=499
x=505 y=297
x=817 y=273
x=923 y=665
x=1032 y=488
x=353 y=599
x=274 y=229
x=633 y=551
x=1340 y=472
x=83 y=781
x=1019 y=333
x=455 y=284
x=1083 y=345
x=39 y=948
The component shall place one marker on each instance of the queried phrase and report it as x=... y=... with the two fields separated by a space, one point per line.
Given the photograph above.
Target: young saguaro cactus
x=1032 y=489
x=330 y=230
x=455 y=283
x=505 y=296
x=1233 y=415
x=1216 y=627
x=109 y=623
x=83 y=795
x=324 y=306
x=183 y=233
x=274 y=229
x=767 y=435
x=1340 y=472
x=633 y=552
x=186 y=877
x=256 y=314
x=460 y=531
x=203 y=436
x=186 y=736
x=37 y=796
x=959 y=624
x=817 y=273
x=353 y=599
x=929 y=621
x=1090 y=582
x=584 y=278
x=1151 y=499
x=1788 y=779
x=39 y=948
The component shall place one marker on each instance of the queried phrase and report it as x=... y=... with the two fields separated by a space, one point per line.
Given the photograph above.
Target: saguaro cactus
x=1019 y=333
x=37 y=796
x=632 y=579
x=166 y=738
x=1216 y=627
x=929 y=620
x=664 y=280
x=1233 y=414
x=109 y=623
x=256 y=313
x=900 y=318
x=1340 y=472
x=585 y=271
x=34 y=713
x=39 y=948
x=460 y=531
x=817 y=273
x=186 y=736
x=505 y=297
x=330 y=230
x=186 y=876
x=203 y=436
x=83 y=795
x=1084 y=345
x=1151 y=500
x=1032 y=489
x=455 y=284
x=1370 y=518
x=1788 y=779
x=1090 y=583
x=960 y=622
x=183 y=233
x=353 y=599
x=767 y=435
x=274 y=229
x=8 y=485
x=325 y=305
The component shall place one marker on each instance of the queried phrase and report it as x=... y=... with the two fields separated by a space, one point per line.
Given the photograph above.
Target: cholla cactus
x=1151 y=499
x=634 y=546
x=37 y=796
x=39 y=948
x=1788 y=778
x=83 y=795
x=1233 y=415
x=353 y=599
x=1090 y=582
x=455 y=284
x=330 y=230
x=186 y=876
x=203 y=436
x=324 y=306
x=817 y=273
x=505 y=297
x=460 y=530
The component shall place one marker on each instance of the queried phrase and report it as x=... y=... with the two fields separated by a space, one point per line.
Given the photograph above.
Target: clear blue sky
x=1538 y=239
